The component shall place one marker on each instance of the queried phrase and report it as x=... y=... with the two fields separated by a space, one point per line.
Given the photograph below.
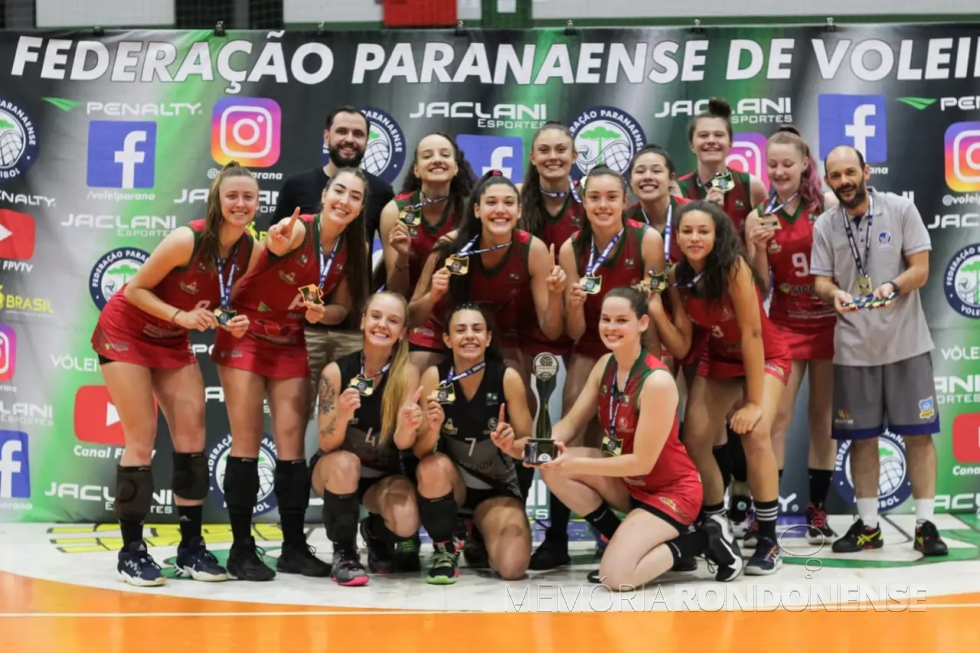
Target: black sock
x=292 y=489
x=340 y=513
x=438 y=517
x=241 y=487
x=559 y=515
x=604 y=520
x=780 y=477
x=740 y=470
x=819 y=486
x=525 y=478
x=190 y=523
x=241 y=525
x=713 y=509
x=766 y=513
x=688 y=545
x=724 y=460
x=132 y=531
x=377 y=527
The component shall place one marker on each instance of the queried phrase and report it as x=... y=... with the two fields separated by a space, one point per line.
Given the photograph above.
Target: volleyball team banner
x=108 y=143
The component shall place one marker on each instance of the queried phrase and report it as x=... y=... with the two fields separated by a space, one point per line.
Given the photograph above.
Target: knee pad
x=241 y=484
x=340 y=514
x=190 y=476
x=525 y=478
x=292 y=485
x=134 y=492
x=737 y=453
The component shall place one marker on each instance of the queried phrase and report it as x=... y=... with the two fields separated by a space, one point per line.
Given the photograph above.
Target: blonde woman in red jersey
x=143 y=342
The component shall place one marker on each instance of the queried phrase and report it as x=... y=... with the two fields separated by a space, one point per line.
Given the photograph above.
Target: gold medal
x=364 y=386
x=612 y=446
x=591 y=285
x=458 y=265
x=770 y=221
x=722 y=181
x=224 y=315
x=864 y=285
x=658 y=282
x=444 y=394
x=312 y=294
x=411 y=218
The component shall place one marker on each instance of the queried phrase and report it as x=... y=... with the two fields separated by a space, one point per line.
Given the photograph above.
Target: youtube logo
x=966 y=438
x=16 y=235
x=96 y=417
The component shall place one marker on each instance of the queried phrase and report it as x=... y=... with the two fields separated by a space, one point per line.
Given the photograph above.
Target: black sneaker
x=300 y=559
x=551 y=553
x=347 y=568
x=927 y=540
x=475 y=550
x=859 y=538
x=405 y=557
x=445 y=565
x=380 y=553
x=685 y=564
x=722 y=549
x=244 y=562
x=818 y=531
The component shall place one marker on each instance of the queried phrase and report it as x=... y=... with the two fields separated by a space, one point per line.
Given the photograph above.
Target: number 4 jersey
x=378 y=458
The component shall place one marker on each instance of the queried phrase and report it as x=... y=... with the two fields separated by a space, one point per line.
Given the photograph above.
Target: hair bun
x=720 y=107
x=790 y=129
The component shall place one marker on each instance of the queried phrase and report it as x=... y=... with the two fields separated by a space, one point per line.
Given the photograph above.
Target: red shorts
x=699 y=346
x=429 y=335
x=808 y=344
x=727 y=368
x=261 y=357
x=121 y=336
x=681 y=502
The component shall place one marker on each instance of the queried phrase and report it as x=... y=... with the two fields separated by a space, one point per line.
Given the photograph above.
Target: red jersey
x=623 y=267
x=738 y=201
x=270 y=296
x=636 y=213
x=725 y=340
x=795 y=303
x=497 y=290
x=129 y=334
x=673 y=485
x=424 y=235
x=561 y=227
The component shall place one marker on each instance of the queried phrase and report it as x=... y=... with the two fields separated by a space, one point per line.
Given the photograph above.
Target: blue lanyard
x=225 y=289
x=596 y=264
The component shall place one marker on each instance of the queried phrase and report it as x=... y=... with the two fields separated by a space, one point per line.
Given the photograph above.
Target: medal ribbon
x=769 y=210
x=376 y=374
x=596 y=264
x=558 y=194
x=452 y=378
x=426 y=201
x=326 y=265
x=465 y=252
x=862 y=266
x=614 y=402
x=225 y=289
x=693 y=282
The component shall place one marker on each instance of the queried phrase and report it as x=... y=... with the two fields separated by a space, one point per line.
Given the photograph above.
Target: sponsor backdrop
x=107 y=143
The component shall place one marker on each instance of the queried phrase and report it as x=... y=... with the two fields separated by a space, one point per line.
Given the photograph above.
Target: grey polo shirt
x=881 y=336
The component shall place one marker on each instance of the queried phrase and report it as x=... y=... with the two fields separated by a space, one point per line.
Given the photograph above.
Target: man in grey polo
x=876 y=244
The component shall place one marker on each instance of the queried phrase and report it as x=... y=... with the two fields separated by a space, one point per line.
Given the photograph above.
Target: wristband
x=177 y=312
x=898 y=291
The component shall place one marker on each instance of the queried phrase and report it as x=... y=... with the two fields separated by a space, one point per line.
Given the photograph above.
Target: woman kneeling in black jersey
x=368 y=416
x=477 y=421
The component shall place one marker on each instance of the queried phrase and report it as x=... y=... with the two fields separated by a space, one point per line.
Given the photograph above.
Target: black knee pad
x=241 y=484
x=438 y=516
x=134 y=492
x=340 y=514
x=190 y=476
x=740 y=470
x=525 y=478
x=292 y=485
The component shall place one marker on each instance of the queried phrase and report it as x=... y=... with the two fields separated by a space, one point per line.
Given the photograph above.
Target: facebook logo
x=121 y=154
x=15 y=473
x=855 y=120
x=486 y=153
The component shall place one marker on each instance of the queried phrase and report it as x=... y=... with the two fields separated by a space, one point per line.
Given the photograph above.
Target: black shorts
x=105 y=361
x=365 y=483
x=474 y=497
x=660 y=514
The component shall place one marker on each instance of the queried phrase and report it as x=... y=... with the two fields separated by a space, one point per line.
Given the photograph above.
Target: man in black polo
x=346 y=138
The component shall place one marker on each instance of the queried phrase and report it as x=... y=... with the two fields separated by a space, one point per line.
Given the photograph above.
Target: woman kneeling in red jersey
x=641 y=468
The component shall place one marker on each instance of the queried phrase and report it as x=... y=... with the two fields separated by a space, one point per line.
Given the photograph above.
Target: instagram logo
x=246 y=130
x=8 y=352
x=748 y=154
x=963 y=157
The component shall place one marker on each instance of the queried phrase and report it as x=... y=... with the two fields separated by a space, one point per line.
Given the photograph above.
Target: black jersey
x=465 y=435
x=364 y=430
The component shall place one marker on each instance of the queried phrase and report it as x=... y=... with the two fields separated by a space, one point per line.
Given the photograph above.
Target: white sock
x=868 y=512
x=924 y=510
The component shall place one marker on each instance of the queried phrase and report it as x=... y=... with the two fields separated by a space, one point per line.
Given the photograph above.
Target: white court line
x=400 y=613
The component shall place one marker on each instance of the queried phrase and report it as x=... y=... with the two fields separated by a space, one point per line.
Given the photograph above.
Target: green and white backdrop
x=108 y=142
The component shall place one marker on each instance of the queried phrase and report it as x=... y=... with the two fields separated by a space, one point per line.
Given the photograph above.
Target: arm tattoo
x=328 y=396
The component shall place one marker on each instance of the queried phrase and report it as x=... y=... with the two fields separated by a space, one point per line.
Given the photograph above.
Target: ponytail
x=396 y=388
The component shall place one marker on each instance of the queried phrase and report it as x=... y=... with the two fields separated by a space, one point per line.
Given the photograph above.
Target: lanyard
x=452 y=378
x=667 y=227
x=379 y=372
x=769 y=210
x=614 y=401
x=558 y=194
x=465 y=252
x=326 y=265
x=224 y=289
x=862 y=266
x=596 y=264
x=692 y=283
x=426 y=201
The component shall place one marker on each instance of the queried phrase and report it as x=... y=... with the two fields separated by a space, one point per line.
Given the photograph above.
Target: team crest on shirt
x=492 y=424
x=885 y=241
x=622 y=424
x=288 y=278
x=626 y=400
x=630 y=262
x=448 y=428
x=303 y=259
x=774 y=247
x=492 y=398
x=189 y=288
x=927 y=408
x=264 y=308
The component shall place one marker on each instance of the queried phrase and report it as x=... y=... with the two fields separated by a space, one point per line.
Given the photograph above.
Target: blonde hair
x=396 y=389
x=210 y=239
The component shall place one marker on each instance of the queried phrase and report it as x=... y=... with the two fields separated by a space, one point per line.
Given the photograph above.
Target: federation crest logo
x=894 y=484
x=385 y=152
x=218 y=461
x=113 y=271
x=605 y=135
x=18 y=141
x=961 y=283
